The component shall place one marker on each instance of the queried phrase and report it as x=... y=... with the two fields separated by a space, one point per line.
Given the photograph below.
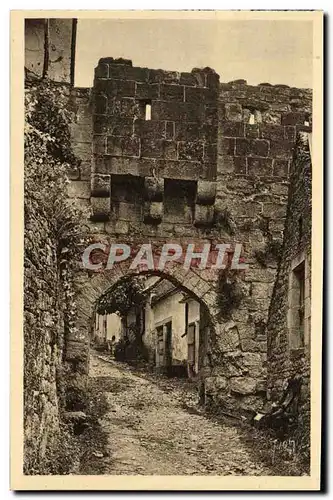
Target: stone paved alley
x=149 y=428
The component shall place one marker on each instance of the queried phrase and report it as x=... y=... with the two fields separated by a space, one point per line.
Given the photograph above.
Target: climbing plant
x=229 y=292
x=122 y=297
x=48 y=155
x=54 y=239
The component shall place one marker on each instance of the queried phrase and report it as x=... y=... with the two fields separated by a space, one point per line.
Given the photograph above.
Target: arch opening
x=154 y=319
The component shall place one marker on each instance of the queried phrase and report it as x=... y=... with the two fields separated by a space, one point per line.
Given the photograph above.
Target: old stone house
x=289 y=321
x=106 y=326
x=169 y=328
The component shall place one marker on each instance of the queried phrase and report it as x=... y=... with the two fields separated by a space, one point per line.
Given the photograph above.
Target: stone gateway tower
x=181 y=157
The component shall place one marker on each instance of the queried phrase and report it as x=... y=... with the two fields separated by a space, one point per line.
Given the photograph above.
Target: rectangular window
x=296 y=312
x=148 y=111
x=300 y=277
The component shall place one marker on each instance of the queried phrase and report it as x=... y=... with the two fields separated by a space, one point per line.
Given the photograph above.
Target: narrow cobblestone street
x=150 y=429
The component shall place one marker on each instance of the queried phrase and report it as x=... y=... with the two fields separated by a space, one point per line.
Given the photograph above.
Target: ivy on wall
x=122 y=297
x=54 y=239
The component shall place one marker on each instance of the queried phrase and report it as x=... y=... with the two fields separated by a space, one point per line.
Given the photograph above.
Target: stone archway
x=92 y=285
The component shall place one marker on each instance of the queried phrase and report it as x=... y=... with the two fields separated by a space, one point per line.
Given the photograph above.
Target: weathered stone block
x=190 y=151
x=186 y=170
x=99 y=144
x=126 y=72
x=260 y=166
x=228 y=338
x=125 y=107
x=100 y=104
x=120 y=126
x=204 y=215
x=120 y=227
x=153 y=212
x=243 y=385
x=83 y=150
x=272 y=131
x=233 y=112
x=100 y=185
x=79 y=189
x=100 y=124
x=251 y=131
x=209 y=114
x=123 y=146
x=102 y=71
x=252 y=147
x=152 y=148
x=227 y=146
x=206 y=192
x=210 y=153
x=290 y=133
x=271 y=117
x=154 y=188
x=149 y=129
x=200 y=76
x=121 y=165
x=169 y=130
x=281 y=169
x=274 y=210
x=194 y=94
x=293 y=118
x=193 y=112
x=188 y=79
x=282 y=149
x=161 y=76
x=240 y=165
x=170 y=150
x=115 y=88
x=147 y=91
x=231 y=129
x=172 y=93
x=101 y=208
x=185 y=131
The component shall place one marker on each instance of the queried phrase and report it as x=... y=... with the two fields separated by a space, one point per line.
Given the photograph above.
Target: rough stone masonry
x=181 y=157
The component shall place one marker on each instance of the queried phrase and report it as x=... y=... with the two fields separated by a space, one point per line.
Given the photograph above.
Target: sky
x=277 y=52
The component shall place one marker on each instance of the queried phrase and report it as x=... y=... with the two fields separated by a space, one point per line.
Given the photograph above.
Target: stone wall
x=43 y=334
x=287 y=360
x=153 y=124
x=256 y=141
x=210 y=165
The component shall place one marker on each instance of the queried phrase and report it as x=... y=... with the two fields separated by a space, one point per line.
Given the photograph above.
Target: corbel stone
x=153 y=212
x=101 y=185
x=101 y=208
x=154 y=189
x=206 y=192
x=203 y=215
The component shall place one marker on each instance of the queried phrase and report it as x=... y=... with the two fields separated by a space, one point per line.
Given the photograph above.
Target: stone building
x=169 y=324
x=289 y=322
x=107 y=326
x=181 y=157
